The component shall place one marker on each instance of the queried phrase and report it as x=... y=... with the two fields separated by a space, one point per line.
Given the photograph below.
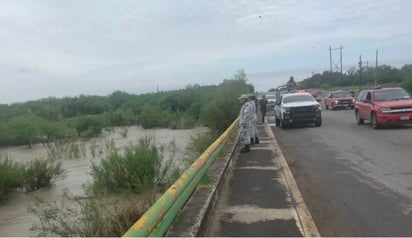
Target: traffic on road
x=356 y=181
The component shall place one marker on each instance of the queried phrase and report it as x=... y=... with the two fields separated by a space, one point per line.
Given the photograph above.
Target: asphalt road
x=355 y=180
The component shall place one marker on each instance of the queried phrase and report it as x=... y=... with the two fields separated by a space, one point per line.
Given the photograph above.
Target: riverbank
x=14 y=219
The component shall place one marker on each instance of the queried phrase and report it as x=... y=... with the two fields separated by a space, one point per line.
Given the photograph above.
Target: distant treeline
x=50 y=119
x=385 y=75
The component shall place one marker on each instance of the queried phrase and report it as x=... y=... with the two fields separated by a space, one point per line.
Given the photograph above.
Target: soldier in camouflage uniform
x=253 y=129
x=245 y=122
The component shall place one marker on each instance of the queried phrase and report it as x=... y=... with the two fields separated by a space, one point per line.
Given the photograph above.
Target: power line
x=337 y=65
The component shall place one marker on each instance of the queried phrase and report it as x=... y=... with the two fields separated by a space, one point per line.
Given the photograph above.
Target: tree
x=224 y=108
x=386 y=75
x=24 y=130
x=407 y=83
x=88 y=125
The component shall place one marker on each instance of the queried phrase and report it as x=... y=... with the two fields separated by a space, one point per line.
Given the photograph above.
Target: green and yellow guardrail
x=158 y=218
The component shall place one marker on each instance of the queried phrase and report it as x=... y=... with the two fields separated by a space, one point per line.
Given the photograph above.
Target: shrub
x=138 y=169
x=90 y=216
x=179 y=121
x=134 y=177
x=149 y=117
x=88 y=125
x=166 y=171
x=197 y=145
x=40 y=173
x=11 y=176
x=222 y=110
x=407 y=83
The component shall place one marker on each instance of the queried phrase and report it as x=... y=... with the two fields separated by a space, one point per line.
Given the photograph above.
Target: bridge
x=227 y=193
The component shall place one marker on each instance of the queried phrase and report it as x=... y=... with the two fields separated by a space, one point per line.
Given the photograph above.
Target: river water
x=14 y=218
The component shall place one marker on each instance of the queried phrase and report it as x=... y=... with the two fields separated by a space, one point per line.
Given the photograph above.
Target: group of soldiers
x=248 y=121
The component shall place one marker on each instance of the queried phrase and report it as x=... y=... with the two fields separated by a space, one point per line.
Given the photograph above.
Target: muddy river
x=14 y=218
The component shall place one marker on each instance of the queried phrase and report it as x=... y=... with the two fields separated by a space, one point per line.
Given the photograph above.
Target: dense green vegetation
x=385 y=76
x=11 y=176
x=40 y=173
x=135 y=170
x=58 y=122
x=27 y=177
x=51 y=119
x=90 y=216
x=125 y=183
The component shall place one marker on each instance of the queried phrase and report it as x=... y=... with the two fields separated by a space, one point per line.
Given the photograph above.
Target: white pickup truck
x=295 y=108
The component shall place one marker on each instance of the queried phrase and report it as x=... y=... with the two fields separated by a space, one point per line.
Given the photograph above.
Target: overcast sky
x=67 y=48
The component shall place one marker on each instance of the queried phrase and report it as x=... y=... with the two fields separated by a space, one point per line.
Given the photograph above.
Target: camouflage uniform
x=253 y=128
x=245 y=122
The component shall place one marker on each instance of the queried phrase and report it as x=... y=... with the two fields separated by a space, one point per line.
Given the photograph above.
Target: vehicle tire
x=374 y=122
x=359 y=120
x=318 y=123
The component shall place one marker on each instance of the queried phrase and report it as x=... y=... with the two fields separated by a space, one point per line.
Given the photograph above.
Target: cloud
x=97 y=47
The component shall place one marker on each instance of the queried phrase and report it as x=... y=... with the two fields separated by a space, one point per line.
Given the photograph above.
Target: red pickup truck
x=383 y=106
x=339 y=99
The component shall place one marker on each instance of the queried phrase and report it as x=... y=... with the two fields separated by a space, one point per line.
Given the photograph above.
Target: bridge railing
x=158 y=218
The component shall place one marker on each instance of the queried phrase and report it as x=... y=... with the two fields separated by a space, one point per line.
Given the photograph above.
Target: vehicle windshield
x=391 y=95
x=270 y=97
x=341 y=94
x=298 y=98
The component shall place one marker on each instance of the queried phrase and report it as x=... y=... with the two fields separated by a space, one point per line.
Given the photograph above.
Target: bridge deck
x=255 y=196
x=255 y=199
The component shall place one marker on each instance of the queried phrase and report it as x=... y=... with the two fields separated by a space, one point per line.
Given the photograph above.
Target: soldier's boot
x=257 y=140
x=246 y=148
x=252 y=141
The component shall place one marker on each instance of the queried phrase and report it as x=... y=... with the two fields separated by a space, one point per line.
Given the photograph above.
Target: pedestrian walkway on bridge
x=251 y=194
x=259 y=197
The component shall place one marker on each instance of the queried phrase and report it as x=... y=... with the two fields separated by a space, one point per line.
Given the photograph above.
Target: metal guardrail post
x=156 y=220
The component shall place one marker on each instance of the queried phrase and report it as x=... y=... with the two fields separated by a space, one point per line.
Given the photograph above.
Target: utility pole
x=376 y=65
x=341 y=73
x=367 y=74
x=360 y=71
x=330 y=58
x=337 y=66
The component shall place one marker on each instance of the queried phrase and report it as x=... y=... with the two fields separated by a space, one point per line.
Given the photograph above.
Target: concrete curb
x=305 y=218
